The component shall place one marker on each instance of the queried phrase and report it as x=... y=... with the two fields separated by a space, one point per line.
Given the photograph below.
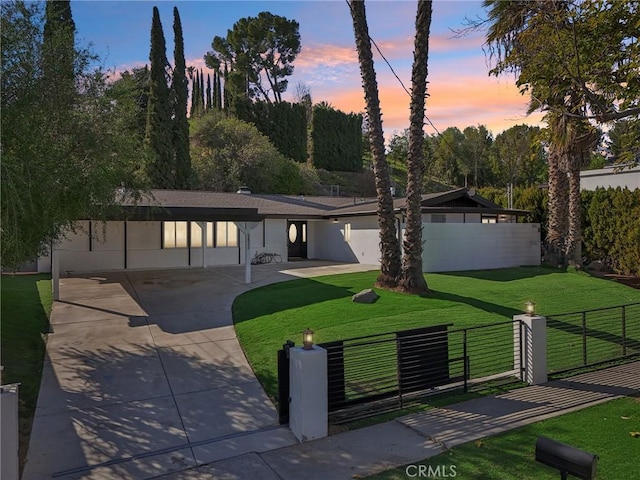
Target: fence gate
x=283 y=382
x=374 y=372
x=370 y=374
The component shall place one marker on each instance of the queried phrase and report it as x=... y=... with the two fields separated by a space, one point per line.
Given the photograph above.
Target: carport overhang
x=148 y=213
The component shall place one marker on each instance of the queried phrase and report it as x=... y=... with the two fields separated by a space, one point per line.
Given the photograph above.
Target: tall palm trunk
x=570 y=140
x=558 y=205
x=389 y=245
x=412 y=278
x=583 y=138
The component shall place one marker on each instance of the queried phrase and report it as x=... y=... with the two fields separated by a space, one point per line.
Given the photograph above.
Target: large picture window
x=196 y=235
x=226 y=234
x=174 y=235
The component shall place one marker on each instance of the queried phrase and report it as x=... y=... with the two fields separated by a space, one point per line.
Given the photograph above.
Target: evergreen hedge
x=337 y=139
x=284 y=123
x=610 y=222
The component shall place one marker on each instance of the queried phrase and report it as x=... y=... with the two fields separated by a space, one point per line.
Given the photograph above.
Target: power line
x=407 y=90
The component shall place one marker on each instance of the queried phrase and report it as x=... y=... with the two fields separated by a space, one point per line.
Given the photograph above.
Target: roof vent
x=244 y=190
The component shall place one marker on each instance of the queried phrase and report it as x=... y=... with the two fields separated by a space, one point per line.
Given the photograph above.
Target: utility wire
x=453 y=150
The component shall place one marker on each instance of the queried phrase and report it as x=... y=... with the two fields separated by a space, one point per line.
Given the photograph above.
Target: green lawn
x=26 y=306
x=603 y=430
x=266 y=317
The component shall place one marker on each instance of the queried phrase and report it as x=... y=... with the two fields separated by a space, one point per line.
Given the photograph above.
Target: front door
x=297 y=239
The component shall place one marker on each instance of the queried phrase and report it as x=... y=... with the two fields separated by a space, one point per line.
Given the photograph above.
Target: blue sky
x=461 y=92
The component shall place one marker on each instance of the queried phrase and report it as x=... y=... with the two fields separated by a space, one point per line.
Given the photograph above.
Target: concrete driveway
x=144 y=375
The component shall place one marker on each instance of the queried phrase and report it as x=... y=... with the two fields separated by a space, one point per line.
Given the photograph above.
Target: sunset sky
x=461 y=91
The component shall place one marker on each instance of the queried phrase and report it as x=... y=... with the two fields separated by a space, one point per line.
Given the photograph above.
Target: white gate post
x=308 y=411
x=9 y=434
x=530 y=348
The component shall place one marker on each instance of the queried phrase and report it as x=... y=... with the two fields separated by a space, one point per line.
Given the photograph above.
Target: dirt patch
x=633 y=282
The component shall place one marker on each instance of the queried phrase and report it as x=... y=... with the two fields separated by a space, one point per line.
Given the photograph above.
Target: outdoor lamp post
x=531 y=308
x=307 y=339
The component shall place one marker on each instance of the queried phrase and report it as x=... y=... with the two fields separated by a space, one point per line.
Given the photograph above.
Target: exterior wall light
x=307 y=339
x=531 y=308
x=335 y=220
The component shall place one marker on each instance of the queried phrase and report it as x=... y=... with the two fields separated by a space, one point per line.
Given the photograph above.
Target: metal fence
x=368 y=375
x=587 y=338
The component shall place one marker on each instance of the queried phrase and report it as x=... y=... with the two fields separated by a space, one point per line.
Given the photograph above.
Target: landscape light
x=307 y=339
x=531 y=308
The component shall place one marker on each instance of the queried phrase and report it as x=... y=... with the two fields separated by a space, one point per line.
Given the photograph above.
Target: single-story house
x=181 y=229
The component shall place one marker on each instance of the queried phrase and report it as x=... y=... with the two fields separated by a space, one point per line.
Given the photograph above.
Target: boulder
x=365 y=296
x=596 y=266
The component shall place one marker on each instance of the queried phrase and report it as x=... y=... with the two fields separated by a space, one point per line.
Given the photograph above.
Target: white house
x=171 y=229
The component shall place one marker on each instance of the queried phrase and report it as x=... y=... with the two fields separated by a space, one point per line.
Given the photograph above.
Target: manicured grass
x=266 y=317
x=603 y=430
x=26 y=306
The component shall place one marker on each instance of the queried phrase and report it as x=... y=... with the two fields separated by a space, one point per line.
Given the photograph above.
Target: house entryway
x=297 y=239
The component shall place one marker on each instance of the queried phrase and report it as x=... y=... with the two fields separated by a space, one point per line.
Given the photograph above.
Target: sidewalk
x=412 y=438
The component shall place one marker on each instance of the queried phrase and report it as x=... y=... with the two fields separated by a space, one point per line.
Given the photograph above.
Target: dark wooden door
x=297 y=239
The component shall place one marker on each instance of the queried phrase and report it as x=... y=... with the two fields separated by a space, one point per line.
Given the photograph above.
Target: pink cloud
x=460 y=102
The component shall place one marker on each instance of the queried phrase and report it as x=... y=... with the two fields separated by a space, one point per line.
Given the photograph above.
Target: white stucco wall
x=327 y=240
x=608 y=177
x=473 y=246
x=144 y=248
x=103 y=252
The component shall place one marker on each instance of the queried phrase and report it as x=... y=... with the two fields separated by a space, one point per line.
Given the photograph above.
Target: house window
x=489 y=219
x=226 y=234
x=347 y=232
x=174 y=235
x=438 y=218
x=196 y=235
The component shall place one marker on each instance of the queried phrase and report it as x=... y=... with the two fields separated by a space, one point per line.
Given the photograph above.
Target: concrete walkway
x=144 y=375
x=144 y=378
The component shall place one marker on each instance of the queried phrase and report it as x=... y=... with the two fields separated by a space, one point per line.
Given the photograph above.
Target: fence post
x=624 y=332
x=9 y=433
x=308 y=412
x=584 y=339
x=465 y=360
x=530 y=348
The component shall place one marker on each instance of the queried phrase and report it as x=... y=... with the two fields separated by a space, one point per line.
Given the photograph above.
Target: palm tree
x=389 y=244
x=412 y=278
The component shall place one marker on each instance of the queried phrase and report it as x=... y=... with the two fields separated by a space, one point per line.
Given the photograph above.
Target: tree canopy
x=64 y=157
x=258 y=53
x=228 y=153
x=556 y=50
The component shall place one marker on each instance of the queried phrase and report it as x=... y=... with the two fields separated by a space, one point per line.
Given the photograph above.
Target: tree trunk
x=389 y=245
x=574 y=235
x=412 y=278
x=558 y=205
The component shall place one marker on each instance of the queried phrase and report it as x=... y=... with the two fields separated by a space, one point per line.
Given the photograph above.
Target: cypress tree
x=214 y=92
x=159 y=125
x=59 y=53
x=196 y=94
x=227 y=96
x=194 y=84
x=219 y=92
x=182 y=159
x=202 y=92
x=208 y=92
